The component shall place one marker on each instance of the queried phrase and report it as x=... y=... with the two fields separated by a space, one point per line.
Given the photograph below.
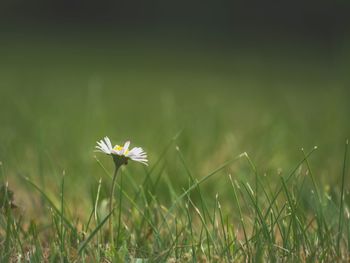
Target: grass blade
x=341 y=212
x=93 y=233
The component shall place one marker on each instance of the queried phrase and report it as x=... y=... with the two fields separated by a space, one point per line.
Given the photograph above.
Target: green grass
x=234 y=173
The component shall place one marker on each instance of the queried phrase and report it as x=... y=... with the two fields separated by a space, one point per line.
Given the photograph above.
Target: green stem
x=111 y=202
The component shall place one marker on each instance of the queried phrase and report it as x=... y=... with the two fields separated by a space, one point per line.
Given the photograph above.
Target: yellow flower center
x=119 y=148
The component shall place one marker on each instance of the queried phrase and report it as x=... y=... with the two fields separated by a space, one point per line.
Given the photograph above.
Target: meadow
x=247 y=151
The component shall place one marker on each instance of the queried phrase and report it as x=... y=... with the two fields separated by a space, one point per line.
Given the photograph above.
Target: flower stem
x=111 y=203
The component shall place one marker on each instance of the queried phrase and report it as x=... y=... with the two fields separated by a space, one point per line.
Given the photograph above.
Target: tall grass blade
x=93 y=233
x=341 y=210
x=66 y=221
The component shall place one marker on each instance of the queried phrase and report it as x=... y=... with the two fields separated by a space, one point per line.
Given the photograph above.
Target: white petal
x=108 y=143
x=104 y=145
x=101 y=146
x=135 y=151
x=125 y=147
x=115 y=152
x=143 y=161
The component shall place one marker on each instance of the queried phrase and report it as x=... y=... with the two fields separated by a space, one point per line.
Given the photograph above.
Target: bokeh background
x=265 y=77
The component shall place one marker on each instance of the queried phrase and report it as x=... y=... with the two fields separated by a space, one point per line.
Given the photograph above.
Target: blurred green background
x=268 y=83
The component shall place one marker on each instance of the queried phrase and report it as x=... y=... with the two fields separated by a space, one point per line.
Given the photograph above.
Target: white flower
x=136 y=154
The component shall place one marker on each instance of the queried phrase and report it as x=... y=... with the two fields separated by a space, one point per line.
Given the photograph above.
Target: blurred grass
x=58 y=96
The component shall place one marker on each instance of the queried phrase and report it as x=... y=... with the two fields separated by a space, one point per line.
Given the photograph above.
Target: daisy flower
x=121 y=154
